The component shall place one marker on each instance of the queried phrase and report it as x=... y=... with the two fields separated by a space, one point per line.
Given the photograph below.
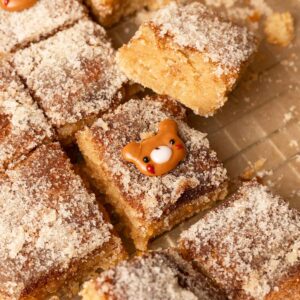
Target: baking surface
x=261 y=119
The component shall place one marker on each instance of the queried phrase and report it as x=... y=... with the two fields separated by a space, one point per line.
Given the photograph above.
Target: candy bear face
x=16 y=5
x=159 y=154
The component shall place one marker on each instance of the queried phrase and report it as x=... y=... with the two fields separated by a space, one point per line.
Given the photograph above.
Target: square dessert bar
x=155 y=275
x=190 y=54
x=109 y=12
x=18 y=29
x=249 y=245
x=23 y=126
x=151 y=205
x=73 y=76
x=51 y=227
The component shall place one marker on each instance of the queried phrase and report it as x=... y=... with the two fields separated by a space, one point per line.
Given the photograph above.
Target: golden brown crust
x=158 y=275
x=249 y=245
x=23 y=126
x=151 y=205
x=72 y=75
x=42 y=20
x=190 y=54
x=57 y=225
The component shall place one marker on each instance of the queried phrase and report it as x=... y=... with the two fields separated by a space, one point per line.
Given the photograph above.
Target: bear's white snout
x=161 y=154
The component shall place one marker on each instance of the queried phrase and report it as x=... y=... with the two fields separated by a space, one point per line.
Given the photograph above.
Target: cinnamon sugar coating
x=190 y=54
x=23 y=126
x=73 y=74
x=18 y=29
x=195 y=26
x=154 y=197
x=49 y=222
x=159 y=275
x=249 y=245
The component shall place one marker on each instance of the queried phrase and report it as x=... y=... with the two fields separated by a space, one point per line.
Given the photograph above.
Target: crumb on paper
x=264 y=173
x=293 y=144
x=295 y=193
x=253 y=169
x=290 y=62
x=279 y=29
x=287 y=117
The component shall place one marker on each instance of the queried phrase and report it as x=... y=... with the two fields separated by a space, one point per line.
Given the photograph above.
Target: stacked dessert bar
x=157 y=275
x=52 y=228
x=57 y=74
x=150 y=205
x=189 y=53
x=18 y=29
x=248 y=248
x=249 y=245
x=73 y=76
x=61 y=83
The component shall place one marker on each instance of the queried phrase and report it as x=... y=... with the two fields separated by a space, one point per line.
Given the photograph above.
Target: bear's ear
x=131 y=152
x=168 y=125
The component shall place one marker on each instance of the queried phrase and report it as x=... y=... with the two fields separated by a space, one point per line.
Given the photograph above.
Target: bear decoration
x=159 y=154
x=16 y=5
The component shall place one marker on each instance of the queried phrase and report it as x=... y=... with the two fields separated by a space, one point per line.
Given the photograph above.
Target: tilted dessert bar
x=249 y=245
x=23 y=126
x=148 y=204
x=73 y=76
x=190 y=54
x=51 y=227
x=156 y=275
x=18 y=29
x=110 y=12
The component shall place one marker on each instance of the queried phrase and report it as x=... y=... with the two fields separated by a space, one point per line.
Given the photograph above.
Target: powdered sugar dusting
x=48 y=220
x=255 y=238
x=72 y=74
x=199 y=173
x=42 y=19
x=161 y=275
x=227 y=45
x=23 y=126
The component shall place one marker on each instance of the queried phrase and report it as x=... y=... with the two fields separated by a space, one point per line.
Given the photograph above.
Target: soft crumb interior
x=90 y=293
x=66 y=134
x=170 y=70
x=279 y=29
x=139 y=232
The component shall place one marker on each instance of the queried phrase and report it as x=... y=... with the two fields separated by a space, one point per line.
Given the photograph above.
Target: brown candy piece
x=159 y=154
x=16 y=5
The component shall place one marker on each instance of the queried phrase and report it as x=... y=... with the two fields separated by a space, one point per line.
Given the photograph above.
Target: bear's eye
x=146 y=159
x=172 y=142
